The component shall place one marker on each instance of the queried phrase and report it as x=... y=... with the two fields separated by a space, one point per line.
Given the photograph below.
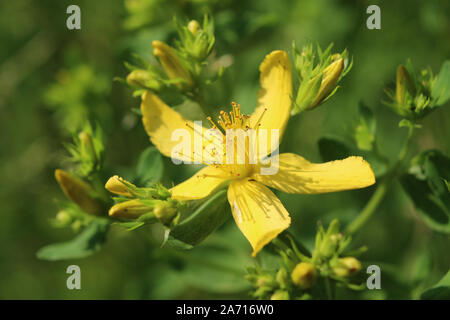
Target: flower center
x=234 y=143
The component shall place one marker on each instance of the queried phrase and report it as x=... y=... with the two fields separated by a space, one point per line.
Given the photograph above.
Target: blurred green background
x=52 y=77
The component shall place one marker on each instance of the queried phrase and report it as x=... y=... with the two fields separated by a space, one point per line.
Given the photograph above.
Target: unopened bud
x=304 y=275
x=265 y=280
x=144 y=79
x=171 y=62
x=330 y=77
x=63 y=218
x=130 y=209
x=346 y=267
x=194 y=27
x=120 y=186
x=280 y=295
x=79 y=192
x=87 y=145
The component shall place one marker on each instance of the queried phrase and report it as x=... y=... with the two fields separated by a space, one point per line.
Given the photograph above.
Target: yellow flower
x=258 y=213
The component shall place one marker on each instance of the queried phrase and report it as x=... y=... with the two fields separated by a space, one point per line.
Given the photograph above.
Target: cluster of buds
x=196 y=42
x=318 y=73
x=417 y=94
x=181 y=65
x=86 y=152
x=300 y=272
x=82 y=185
x=329 y=247
x=147 y=205
x=267 y=285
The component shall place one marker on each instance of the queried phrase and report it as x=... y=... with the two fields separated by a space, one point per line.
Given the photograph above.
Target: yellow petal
x=200 y=185
x=275 y=93
x=298 y=175
x=258 y=213
x=160 y=121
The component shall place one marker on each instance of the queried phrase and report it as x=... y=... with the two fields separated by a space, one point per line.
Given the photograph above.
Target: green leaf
x=425 y=184
x=203 y=221
x=441 y=89
x=87 y=242
x=332 y=149
x=440 y=291
x=150 y=166
x=365 y=131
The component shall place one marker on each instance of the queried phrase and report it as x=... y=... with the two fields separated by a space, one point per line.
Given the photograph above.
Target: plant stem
x=199 y=98
x=328 y=289
x=382 y=188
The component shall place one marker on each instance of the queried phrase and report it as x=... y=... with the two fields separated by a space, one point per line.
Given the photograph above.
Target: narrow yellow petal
x=274 y=97
x=160 y=122
x=298 y=175
x=200 y=185
x=258 y=213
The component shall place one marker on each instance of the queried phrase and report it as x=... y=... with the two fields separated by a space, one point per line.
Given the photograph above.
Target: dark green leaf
x=441 y=89
x=150 y=166
x=425 y=184
x=332 y=149
x=84 y=244
x=441 y=291
x=365 y=131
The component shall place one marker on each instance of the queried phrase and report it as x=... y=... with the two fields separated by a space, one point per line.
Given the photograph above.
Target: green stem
x=199 y=98
x=328 y=289
x=382 y=188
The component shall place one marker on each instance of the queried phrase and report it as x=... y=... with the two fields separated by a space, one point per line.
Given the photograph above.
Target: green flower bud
x=79 y=192
x=282 y=277
x=63 y=218
x=194 y=27
x=304 y=275
x=144 y=79
x=319 y=74
x=280 y=295
x=197 y=42
x=87 y=146
x=346 y=267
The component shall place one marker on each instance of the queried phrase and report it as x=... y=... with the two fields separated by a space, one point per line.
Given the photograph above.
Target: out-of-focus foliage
x=53 y=79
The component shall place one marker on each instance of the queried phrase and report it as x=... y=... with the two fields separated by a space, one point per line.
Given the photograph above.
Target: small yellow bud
x=330 y=78
x=304 y=275
x=79 y=192
x=194 y=27
x=280 y=295
x=131 y=209
x=116 y=185
x=170 y=61
x=347 y=266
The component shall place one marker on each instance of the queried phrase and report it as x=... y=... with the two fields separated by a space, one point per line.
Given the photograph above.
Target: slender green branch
x=382 y=188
